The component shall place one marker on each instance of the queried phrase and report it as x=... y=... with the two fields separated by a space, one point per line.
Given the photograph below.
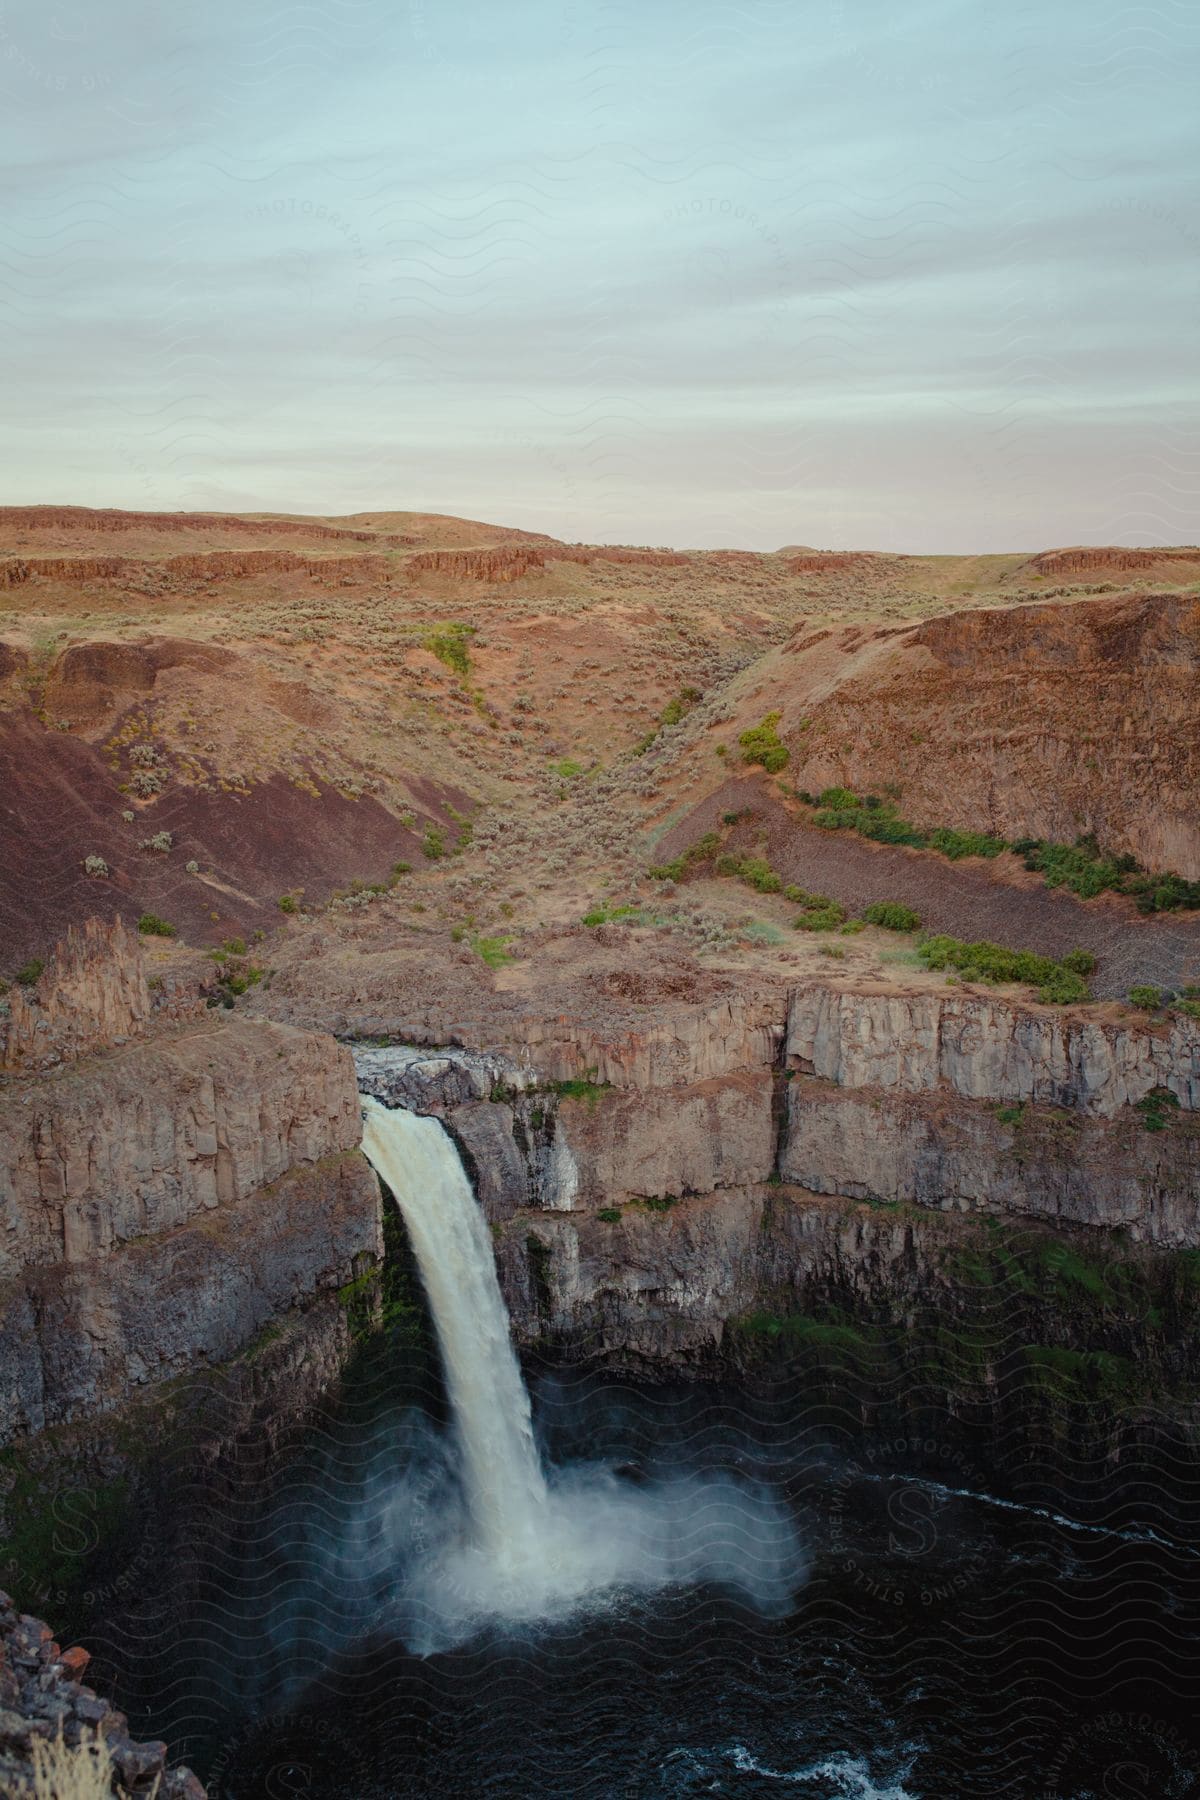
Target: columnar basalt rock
x=175 y=1127
x=163 y=1203
x=676 y=1047
x=988 y=1049
x=931 y=1150
x=93 y=992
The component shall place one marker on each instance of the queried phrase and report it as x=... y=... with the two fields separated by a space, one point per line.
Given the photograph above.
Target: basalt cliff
x=803 y=952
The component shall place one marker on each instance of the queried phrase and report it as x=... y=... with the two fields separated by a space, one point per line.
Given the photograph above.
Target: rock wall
x=1042 y=1162
x=82 y=1337
x=988 y=1049
x=563 y=1144
x=146 y=1138
x=1042 y=721
x=678 y=1046
x=162 y=1204
x=93 y=992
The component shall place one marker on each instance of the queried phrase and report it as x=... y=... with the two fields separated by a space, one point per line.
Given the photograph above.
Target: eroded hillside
x=411 y=751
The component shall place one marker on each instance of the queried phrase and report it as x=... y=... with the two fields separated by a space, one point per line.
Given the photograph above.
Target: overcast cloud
x=856 y=273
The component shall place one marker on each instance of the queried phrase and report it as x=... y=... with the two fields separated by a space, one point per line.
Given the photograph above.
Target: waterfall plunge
x=532 y=1547
x=502 y=1476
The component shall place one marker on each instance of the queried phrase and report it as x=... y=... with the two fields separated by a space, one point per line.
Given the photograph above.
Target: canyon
x=419 y=809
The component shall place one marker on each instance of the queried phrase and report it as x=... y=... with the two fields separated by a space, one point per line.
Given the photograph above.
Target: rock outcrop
x=1087 y=559
x=108 y=521
x=988 y=1049
x=94 y=992
x=43 y=1697
x=1065 y=1167
x=1041 y=721
x=162 y=1203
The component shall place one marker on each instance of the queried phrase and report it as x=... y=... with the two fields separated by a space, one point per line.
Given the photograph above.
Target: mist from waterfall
x=531 y=1544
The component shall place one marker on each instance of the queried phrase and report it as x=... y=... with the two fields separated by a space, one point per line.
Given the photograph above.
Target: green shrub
x=150 y=925
x=993 y=963
x=609 y=1215
x=1087 y=871
x=434 y=843
x=760 y=744
x=401 y=868
x=893 y=915
x=1148 y=999
x=681 y=705
x=1190 y=1008
x=758 y=874
x=821 y=914
x=29 y=972
x=841 y=798
x=886 y=827
x=957 y=844
x=853 y=926
x=678 y=867
x=1080 y=962
x=1156 y=1108
x=287 y=903
x=450 y=644
x=604 y=914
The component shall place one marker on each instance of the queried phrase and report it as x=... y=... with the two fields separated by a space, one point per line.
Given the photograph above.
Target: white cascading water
x=502 y=1473
x=535 y=1547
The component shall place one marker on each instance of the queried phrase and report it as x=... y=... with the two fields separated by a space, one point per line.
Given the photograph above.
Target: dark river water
x=928 y=1640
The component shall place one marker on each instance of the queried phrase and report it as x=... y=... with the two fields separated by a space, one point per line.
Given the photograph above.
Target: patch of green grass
x=1156 y=1108
x=150 y=925
x=451 y=645
x=606 y=914
x=761 y=931
x=493 y=950
x=584 y=1088
x=30 y=972
x=567 y=769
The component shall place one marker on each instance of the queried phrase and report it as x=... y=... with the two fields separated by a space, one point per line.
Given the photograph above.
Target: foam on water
x=528 y=1546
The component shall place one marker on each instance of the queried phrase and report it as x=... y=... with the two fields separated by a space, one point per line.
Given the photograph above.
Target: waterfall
x=532 y=1545
x=502 y=1476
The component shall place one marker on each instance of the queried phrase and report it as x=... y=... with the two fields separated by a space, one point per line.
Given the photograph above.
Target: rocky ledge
x=42 y=1696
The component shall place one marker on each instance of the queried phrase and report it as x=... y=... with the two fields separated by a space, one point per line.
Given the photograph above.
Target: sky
x=916 y=275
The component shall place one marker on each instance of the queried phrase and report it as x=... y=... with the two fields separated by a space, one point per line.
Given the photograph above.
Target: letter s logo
x=75 y=1532
x=910 y=1509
